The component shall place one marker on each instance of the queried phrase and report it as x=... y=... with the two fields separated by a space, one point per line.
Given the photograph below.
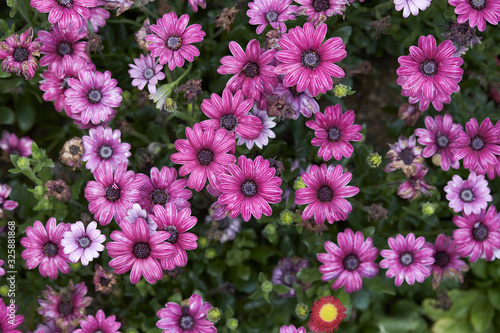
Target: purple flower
x=470 y=196
x=99 y=323
x=414 y=185
x=286 y=273
x=136 y=212
x=405 y=155
x=18 y=54
x=15 y=146
x=93 y=96
x=447 y=262
x=104 y=146
x=44 y=248
x=265 y=133
x=333 y=131
x=407 y=260
x=477 y=12
x=301 y=102
x=348 y=262
x=411 y=6
x=113 y=193
x=318 y=10
x=65 y=12
x=186 y=318
x=4 y=203
x=223 y=229
x=252 y=69
x=292 y=329
x=195 y=3
x=8 y=319
x=146 y=71
x=172 y=40
x=164 y=187
x=307 y=61
x=98 y=17
x=273 y=12
x=439 y=137
x=479 y=234
x=83 y=245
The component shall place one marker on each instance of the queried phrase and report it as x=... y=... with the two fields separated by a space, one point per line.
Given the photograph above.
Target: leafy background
x=231 y=279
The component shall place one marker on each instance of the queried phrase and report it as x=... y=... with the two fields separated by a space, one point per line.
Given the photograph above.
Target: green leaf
x=7 y=116
x=309 y=275
x=4 y=26
x=262 y=277
x=481 y=315
x=377 y=284
x=26 y=117
x=450 y=325
x=281 y=288
x=494 y=297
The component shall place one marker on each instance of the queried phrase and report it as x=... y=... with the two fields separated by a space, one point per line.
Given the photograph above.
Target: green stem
x=124 y=20
x=184 y=74
x=140 y=136
x=380 y=185
x=147 y=11
x=24 y=14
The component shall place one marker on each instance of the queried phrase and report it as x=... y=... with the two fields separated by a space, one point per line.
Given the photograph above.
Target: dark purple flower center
x=325 y=194
x=148 y=73
x=478 y=4
x=74 y=150
x=105 y=152
x=50 y=249
x=84 y=242
x=94 y=96
x=406 y=156
x=289 y=278
x=272 y=16
x=429 y=68
x=321 y=5
x=442 y=141
x=406 y=259
x=104 y=281
x=159 y=197
x=64 y=48
x=112 y=194
x=477 y=142
x=441 y=259
x=65 y=3
x=174 y=234
x=223 y=224
x=467 y=195
x=141 y=250
x=21 y=54
x=228 y=122
x=205 y=156
x=186 y=322
x=249 y=188
x=65 y=308
x=59 y=189
x=294 y=91
x=174 y=43
x=351 y=262
x=251 y=69
x=333 y=134
x=480 y=232
x=310 y=59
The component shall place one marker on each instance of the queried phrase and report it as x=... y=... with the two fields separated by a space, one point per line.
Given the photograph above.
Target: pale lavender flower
x=83 y=245
x=146 y=70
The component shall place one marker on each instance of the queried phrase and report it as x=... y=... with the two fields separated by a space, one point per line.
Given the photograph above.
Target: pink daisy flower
x=4 y=203
x=99 y=324
x=113 y=192
x=447 y=262
x=64 y=12
x=104 y=146
x=249 y=188
x=146 y=71
x=50 y=327
x=18 y=54
x=93 y=96
x=172 y=40
x=407 y=260
x=176 y=223
x=98 y=17
x=195 y=3
x=44 y=249
x=477 y=12
x=333 y=131
x=325 y=193
x=55 y=80
x=411 y=6
x=348 y=262
x=136 y=212
x=273 y=12
x=253 y=73
x=415 y=185
x=83 y=245
x=292 y=329
x=479 y=234
x=265 y=134
x=205 y=154
x=135 y=249
x=318 y=10
x=65 y=308
x=8 y=319
x=14 y=145
x=439 y=137
x=230 y=113
x=479 y=145
x=301 y=102
x=469 y=196
x=164 y=187
x=187 y=318
x=59 y=43
x=430 y=72
x=307 y=62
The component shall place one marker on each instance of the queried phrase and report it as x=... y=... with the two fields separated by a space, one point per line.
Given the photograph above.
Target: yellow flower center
x=328 y=313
